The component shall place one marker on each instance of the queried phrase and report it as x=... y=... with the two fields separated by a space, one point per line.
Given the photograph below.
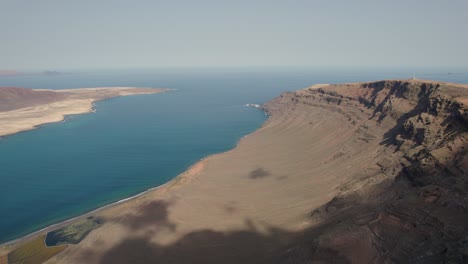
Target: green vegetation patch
x=34 y=252
x=72 y=234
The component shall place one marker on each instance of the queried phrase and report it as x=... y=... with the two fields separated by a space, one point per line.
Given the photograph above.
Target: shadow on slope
x=208 y=246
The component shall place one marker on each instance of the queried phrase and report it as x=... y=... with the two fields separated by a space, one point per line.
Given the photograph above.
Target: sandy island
x=25 y=109
x=324 y=152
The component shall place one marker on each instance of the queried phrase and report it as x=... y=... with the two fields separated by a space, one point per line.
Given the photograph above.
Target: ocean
x=131 y=144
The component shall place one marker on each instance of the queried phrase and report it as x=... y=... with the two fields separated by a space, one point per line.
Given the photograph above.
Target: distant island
x=24 y=73
x=24 y=109
x=373 y=172
x=51 y=73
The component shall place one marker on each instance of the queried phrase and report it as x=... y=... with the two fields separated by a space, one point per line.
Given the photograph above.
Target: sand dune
x=25 y=109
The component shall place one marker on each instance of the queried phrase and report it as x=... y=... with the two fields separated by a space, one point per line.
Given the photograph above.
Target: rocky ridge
x=415 y=209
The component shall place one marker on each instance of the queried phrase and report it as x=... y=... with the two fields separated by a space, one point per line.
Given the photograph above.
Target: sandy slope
x=46 y=106
x=270 y=181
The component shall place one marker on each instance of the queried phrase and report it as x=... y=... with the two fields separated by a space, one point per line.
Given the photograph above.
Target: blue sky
x=62 y=34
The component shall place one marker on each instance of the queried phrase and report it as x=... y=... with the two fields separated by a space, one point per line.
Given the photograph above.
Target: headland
x=25 y=109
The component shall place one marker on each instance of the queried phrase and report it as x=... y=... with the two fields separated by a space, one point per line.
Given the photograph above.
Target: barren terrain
x=24 y=109
x=350 y=173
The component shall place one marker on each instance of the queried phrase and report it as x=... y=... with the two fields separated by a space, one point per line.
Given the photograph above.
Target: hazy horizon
x=59 y=35
x=240 y=68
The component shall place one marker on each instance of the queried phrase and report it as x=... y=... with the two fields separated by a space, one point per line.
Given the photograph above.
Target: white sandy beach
x=75 y=101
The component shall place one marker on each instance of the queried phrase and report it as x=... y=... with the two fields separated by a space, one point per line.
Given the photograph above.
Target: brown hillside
x=421 y=214
x=14 y=98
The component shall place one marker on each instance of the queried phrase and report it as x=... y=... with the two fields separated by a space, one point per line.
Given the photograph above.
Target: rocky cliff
x=415 y=209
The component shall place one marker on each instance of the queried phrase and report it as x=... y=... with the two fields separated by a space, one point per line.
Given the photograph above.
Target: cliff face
x=418 y=212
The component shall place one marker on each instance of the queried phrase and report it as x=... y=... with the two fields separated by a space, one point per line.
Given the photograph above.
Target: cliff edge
x=414 y=210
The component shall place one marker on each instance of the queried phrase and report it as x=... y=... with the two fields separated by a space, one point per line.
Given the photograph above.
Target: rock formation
x=414 y=210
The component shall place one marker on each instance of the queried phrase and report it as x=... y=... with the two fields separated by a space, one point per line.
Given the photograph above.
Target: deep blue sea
x=134 y=143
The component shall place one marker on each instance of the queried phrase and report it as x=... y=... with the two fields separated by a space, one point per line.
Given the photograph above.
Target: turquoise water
x=134 y=143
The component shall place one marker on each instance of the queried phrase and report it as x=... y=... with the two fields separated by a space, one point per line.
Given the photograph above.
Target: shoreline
x=62 y=223
x=76 y=102
x=63 y=119
x=192 y=169
x=286 y=180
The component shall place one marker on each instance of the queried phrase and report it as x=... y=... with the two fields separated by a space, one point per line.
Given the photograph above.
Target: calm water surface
x=134 y=143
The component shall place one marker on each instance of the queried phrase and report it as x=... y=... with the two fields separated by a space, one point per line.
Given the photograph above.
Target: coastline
x=45 y=230
x=76 y=101
x=250 y=182
x=35 y=123
x=185 y=175
x=181 y=178
x=278 y=182
x=191 y=171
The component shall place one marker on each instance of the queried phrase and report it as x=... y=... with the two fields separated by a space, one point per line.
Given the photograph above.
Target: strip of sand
x=70 y=102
